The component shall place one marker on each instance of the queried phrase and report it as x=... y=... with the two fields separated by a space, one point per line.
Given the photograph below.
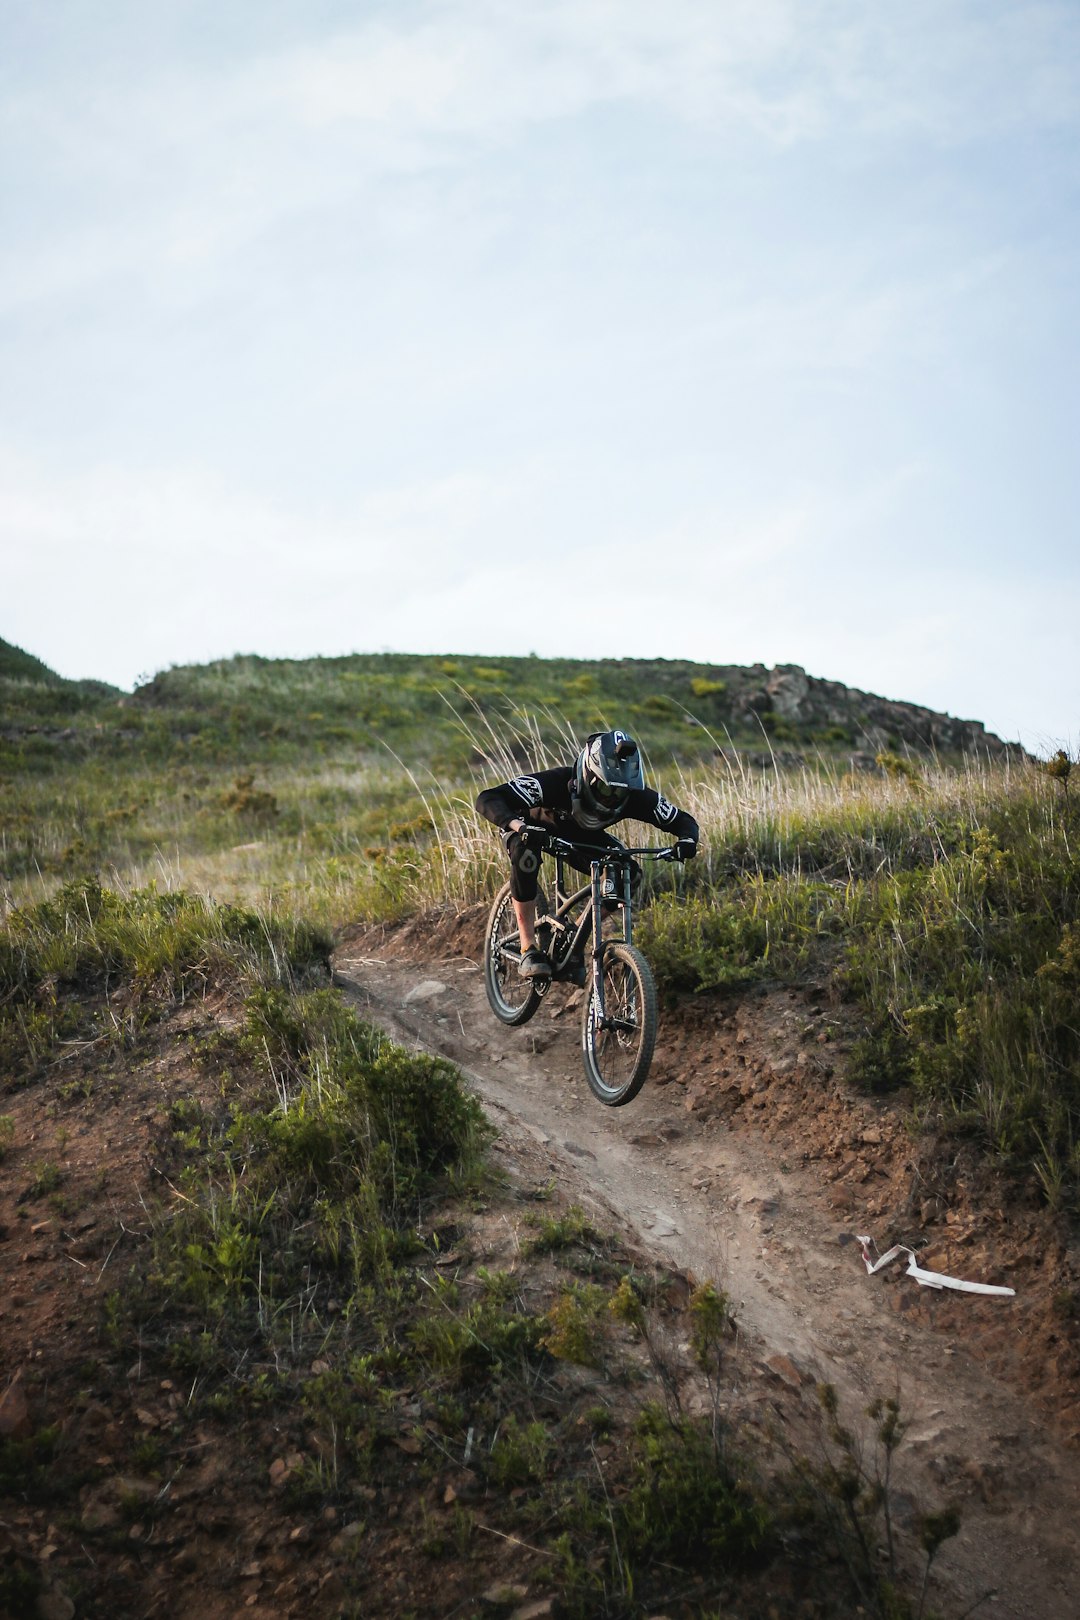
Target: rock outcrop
x=870 y=724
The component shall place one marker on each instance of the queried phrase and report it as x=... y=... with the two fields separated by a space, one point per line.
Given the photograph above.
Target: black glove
x=686 y=849
x=525 y=847
x=535 y=836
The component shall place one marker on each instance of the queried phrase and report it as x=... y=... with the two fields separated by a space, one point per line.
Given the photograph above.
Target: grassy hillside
x=939 y=899
x=943 y=908
x=432 y=711
x=251 y=775
x=437 y=712
x=35 y=702
x=17 y=665
x=173 y=864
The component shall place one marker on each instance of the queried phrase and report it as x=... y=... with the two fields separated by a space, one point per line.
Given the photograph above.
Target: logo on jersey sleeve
x=665 y=809
x=529 y=789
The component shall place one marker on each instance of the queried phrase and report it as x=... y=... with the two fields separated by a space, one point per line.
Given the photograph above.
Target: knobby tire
x=617 y=1059
x=512 y=999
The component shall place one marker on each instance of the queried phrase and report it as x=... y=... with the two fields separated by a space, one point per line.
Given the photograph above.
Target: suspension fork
x=627 y=908
x=597 y=904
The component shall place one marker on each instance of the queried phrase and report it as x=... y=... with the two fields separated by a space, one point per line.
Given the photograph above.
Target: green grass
x=335 y=709
x=941 y=902
x=949 y=917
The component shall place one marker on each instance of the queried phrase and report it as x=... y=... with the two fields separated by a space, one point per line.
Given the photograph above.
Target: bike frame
x=592 y=919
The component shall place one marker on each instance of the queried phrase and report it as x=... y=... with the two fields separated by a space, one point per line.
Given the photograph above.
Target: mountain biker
x=577 y=802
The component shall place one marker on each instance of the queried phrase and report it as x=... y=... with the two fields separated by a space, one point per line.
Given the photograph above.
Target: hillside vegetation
x=429 y=709
x=320 y=1374
x=174 y=864
x=302 y=765
x=937 y=893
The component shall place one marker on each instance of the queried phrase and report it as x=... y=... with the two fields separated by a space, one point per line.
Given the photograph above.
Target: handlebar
x=608 y=857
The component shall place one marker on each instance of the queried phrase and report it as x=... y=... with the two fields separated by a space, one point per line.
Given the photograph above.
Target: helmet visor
x=609 y=794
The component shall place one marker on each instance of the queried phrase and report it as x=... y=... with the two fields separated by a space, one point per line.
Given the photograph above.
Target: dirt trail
x=725 y=1202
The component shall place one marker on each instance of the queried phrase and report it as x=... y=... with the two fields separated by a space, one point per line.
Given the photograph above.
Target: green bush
x=157 y=945
x=688 y=1503
x=969 y=971
x=88 y=936
x=738 y=933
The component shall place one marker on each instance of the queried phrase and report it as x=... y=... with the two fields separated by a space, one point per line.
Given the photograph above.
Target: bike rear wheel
x=513 y=999
x=617 y=1053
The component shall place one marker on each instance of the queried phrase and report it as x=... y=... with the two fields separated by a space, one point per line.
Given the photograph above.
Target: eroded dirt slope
x=746 y=1160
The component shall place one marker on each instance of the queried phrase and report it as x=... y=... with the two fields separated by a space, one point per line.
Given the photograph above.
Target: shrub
x=688 y=1503
x=734 y=936
x=160 y=945
x=245 y=799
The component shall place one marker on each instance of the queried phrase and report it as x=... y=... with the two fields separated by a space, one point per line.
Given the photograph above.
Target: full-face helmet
x=608 y=769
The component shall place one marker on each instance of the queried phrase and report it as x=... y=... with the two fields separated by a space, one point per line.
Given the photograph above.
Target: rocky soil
x=747 y=1160
x=744 y=1160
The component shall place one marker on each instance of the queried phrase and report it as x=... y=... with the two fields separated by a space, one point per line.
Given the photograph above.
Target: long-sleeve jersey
x=547 y=797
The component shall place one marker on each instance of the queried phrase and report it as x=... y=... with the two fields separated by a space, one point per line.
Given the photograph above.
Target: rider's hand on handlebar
x=526 y=836
x=684 y=850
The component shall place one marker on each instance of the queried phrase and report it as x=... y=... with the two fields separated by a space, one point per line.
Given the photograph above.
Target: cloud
x=423 y=90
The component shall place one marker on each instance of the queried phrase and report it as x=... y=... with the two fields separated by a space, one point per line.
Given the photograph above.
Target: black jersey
x=546 y=797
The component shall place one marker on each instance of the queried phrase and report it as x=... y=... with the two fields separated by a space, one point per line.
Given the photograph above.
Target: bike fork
x=598 y=942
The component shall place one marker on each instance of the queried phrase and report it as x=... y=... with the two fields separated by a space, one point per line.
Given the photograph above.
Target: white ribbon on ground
x=928 y=1279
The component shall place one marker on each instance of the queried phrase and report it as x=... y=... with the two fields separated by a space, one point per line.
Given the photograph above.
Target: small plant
x=520 y=1453
x=45 y=1178
x=711 y=1321
x=245 y=799
x=601 y=1420
x=852 y=1494
x=898 y=769
x=1059 y=769
x=27 y=1465
x=690 y=1504
x=559 y=1232
x=627 y=1306
x=573 y=1326
x=79 y=1090
x=147 y=1454
x=7 y=1134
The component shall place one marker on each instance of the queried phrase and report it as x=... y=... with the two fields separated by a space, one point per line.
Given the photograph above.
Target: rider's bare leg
x=525 y=912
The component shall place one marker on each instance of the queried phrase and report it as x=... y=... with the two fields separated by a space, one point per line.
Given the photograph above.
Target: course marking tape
x=928 y=1279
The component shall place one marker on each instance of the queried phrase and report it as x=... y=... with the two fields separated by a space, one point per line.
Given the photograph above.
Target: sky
x=735 y=330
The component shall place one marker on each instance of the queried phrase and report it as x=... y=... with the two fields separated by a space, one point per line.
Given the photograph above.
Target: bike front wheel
x=513 y=999
x=618 y=1048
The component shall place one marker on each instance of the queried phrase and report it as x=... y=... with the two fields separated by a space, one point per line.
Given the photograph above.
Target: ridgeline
x=438 y=712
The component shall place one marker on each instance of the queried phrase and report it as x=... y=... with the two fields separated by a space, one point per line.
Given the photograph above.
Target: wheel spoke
x=618 y=1048
x=513 y=999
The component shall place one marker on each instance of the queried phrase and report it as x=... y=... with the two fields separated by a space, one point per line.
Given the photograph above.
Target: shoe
x=534 y=964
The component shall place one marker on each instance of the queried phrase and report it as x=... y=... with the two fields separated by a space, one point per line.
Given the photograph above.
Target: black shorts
x=525 y=862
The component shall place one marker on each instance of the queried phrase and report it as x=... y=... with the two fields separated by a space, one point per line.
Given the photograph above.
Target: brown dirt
x=152 y=1506
x=744 y=1159
x=748 y=1159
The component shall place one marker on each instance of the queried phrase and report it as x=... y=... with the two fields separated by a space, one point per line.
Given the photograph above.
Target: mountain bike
x=618 y=1025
